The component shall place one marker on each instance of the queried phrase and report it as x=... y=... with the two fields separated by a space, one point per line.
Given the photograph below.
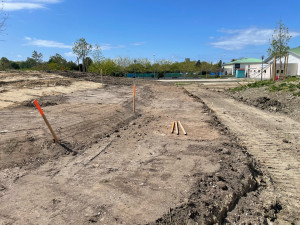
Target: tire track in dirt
x=271 y=139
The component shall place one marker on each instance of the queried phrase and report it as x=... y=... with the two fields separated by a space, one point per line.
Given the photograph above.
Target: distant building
x=231 y=67
x=254 y=70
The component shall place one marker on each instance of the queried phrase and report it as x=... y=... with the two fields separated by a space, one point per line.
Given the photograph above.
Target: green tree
x=71 y=65
x=279 y=46
x=29 y=63
x=97 y=58
x=82 y=49
x=109 y=67
x=3 y=18
x=38 y=57
x=123 y=64
x=57 y=58
x=5 y=63
x=14 y=65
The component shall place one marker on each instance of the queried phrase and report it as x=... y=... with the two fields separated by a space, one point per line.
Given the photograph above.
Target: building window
x=259 y=71
x=277 y=71
x=265 y=71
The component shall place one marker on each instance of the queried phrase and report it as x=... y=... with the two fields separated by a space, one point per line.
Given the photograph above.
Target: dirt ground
x=276 y=102
x=113 y=166
x=271 y=136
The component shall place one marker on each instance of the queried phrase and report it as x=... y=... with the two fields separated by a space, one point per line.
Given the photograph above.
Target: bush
x=15 y=66
x=53 y=66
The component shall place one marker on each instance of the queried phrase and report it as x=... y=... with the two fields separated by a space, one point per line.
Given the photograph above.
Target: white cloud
x=46 y=43
x=19 y=56
x=138 y=43
x=13 y=5
x=69 y=54
x=239 y=39
x=110 y=46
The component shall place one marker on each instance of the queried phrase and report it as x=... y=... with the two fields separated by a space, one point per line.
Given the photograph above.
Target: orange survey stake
x=46 y=121
x=38 y=107
x=133 y=90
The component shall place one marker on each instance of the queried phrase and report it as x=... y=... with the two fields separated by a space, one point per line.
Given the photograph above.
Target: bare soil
x=113 y=166
x=272 y=138
x=281 y=102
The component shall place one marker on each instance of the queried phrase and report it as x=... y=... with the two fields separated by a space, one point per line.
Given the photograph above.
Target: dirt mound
x=268 y=103
x=47 y=101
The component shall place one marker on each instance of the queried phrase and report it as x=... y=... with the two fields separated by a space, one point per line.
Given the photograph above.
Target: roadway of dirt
x=272 y=139
x=113 y=166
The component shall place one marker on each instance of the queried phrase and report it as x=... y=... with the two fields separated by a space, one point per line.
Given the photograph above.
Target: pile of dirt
x=47 y=101
x=280 y=102
x=270 y=104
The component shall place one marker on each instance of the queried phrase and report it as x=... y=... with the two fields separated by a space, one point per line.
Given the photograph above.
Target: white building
x=230 y=68
x=254 y=70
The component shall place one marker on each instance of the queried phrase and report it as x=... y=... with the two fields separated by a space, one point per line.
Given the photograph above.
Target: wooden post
x=172 y=128
x=46 y=121
x=101 y=74
x=133 y=105
x=183 y=130
x=176 y=127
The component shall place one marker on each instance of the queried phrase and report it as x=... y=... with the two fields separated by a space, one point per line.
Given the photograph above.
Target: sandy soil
x=113 y=166
x=273 y=139
x=16 y=87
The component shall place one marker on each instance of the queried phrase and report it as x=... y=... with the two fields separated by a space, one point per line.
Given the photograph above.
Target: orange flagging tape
x=38 y=107
x=133 y=90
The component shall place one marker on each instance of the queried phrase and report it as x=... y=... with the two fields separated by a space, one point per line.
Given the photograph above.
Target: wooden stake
x=182 y=128
x=172 y=129
x=46 y=121
x=101 y=74
x=133 y=105
x=176 y=128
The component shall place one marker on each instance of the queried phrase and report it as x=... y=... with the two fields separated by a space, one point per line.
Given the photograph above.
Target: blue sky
x=169 y=29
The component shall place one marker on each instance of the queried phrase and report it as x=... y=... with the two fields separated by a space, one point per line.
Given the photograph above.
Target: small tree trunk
x=286 y=66
x=274 y=68
x=280 y=68
x=83 y=64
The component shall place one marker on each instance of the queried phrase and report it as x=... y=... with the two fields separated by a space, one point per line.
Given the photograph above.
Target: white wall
x=293 y=65
x=254 y=71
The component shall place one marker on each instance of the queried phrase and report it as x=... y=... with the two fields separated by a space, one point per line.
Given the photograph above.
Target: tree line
x=90 y=59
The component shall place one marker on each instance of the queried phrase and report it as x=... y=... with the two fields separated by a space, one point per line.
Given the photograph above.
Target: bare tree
x=3 y=18
x=280 y=43
x=82 y=49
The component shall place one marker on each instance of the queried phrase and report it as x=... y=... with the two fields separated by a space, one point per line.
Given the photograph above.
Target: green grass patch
x=182 y=83
x=288 y=85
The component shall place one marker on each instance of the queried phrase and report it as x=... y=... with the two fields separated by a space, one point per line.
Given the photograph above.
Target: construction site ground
x=237 y=164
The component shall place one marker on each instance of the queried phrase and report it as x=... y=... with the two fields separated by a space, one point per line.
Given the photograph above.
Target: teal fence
x=142 y=75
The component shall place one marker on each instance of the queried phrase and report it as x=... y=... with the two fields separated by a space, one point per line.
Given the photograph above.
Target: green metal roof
x=245 y=61
x=295 y=50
